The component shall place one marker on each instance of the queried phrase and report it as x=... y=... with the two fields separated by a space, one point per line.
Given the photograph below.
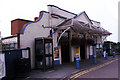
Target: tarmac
x=62 y=71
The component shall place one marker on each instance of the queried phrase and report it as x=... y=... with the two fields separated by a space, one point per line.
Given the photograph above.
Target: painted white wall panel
x=33 y=31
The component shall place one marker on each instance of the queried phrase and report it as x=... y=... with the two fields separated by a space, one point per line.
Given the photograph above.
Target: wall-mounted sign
x=56 y=52
x=76 y=52
x=25 y=54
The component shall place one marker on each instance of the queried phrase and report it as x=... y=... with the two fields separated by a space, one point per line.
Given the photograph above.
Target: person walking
x=104 y=53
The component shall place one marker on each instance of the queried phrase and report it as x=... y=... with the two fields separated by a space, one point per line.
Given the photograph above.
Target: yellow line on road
x=91 y=69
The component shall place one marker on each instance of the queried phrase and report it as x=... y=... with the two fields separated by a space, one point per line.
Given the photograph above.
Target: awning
x=81 y=27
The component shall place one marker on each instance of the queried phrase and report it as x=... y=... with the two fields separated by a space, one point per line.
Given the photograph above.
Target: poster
x=25 y=54
x=76 y=52
x=56 y=52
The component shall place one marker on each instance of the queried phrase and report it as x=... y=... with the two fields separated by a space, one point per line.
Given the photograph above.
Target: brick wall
x=17 y=25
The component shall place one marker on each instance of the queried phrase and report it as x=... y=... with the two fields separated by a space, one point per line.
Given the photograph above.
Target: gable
x=83 y=18
x=60 y=12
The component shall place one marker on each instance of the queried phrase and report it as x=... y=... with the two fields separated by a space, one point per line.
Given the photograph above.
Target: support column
x=91 y=52
x=88 y=51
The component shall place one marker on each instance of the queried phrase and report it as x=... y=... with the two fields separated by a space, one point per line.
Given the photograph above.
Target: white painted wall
x=33 y=31
x=54 y=10
x=55 y=39
x=60 y=54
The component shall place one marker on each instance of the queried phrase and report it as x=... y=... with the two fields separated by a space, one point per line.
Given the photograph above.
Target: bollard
x=106 y=56
x=95 y=59
x=113 y=54
x=90 y=56
x=77 y=62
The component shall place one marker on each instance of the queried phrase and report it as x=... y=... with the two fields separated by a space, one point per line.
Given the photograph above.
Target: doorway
x=65 y=56
x=82 y=52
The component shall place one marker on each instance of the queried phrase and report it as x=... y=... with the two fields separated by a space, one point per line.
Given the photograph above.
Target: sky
x=104 y=11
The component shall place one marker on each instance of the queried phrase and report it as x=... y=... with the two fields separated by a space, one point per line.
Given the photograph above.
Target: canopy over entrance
x=82 y=27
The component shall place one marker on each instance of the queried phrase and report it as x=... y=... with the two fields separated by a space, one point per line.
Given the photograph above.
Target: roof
x=9 y=37
x=95 y=21
x=109 y=42
x=21 y=20
x=85 y=14
x=59 y=16
x=82 y=27
x=78 y=26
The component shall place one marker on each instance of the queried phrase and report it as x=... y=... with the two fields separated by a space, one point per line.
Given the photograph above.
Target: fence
x=10 y=59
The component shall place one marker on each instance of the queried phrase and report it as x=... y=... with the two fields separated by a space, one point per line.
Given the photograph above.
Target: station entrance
x=82 y=52
x=65 y=54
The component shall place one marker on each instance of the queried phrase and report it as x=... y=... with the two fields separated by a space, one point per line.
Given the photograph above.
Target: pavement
x=65 y=70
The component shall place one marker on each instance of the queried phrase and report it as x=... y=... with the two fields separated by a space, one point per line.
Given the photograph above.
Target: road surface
x=107 y=71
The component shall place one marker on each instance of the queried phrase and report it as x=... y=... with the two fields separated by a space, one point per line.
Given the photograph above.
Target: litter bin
x=22 y=67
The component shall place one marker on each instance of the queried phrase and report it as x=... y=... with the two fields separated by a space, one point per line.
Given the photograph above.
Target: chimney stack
x=36 y=18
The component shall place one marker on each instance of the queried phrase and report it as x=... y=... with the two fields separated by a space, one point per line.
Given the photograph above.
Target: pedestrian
x=104 y=53
x=113 y=53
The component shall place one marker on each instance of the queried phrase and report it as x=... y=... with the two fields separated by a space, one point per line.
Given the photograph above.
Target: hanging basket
x=76 y=41
x=90 y=42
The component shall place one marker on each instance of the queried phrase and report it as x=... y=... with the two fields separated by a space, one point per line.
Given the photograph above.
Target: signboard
x=25 y=54
x=77 y=52
x=56 y=52
x=2 y=65
x=76 y=55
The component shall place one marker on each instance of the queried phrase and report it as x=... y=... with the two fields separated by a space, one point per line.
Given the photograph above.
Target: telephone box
x=44 y=53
